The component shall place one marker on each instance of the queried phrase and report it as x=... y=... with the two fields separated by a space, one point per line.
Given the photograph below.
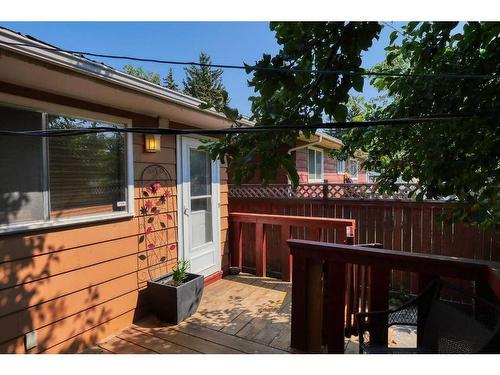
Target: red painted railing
x=320 y=289
x=410 y=227
x=344 y=229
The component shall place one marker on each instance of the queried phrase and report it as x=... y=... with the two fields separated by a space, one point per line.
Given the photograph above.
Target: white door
x=200 y=211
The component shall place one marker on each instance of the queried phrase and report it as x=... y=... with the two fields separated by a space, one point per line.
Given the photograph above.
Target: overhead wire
x=231 y=130
x=249 y=68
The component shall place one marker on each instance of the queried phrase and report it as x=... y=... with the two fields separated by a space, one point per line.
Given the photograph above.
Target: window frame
x=321 y=179
x=46 y=109
x=343 y=168
x=354 y=177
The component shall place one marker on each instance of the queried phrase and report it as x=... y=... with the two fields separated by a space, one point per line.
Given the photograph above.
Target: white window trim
x=41 y=106
x=316 y=180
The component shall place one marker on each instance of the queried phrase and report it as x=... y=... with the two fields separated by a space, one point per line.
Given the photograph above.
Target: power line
x=263 y=68
x=234 y=130
x=392 y=27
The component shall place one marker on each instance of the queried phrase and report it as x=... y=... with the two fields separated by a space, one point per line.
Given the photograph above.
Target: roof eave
x=102 y=72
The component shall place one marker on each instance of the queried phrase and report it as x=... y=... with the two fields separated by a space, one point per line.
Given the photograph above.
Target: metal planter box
x=171 y=303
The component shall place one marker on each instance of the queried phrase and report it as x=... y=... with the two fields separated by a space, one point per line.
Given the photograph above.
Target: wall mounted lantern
x=152 y=142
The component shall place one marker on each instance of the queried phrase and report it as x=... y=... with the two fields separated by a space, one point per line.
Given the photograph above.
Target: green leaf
x=151 y=219
x=393 y=37
x=411 y=26
x=141 y=239
x=357 y=83
x=340 y=113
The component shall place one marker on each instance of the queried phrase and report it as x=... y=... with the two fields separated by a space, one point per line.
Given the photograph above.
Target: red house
x=315 y=165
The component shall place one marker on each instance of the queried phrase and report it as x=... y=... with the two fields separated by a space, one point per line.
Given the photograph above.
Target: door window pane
x=200 y=173
x=21 y=168
x=200 y=204
x=87 y=173
x=201 y=222
x=201 y=201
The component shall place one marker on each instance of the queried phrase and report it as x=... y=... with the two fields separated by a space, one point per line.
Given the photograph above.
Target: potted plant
x=173 y=296
x=176 y=296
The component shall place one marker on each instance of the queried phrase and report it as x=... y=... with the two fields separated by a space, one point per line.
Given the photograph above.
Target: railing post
x=298 y=338
x=379 y=300
x=286 y=257
x=314 y=305
x=237 y=252
x=260 y=250
x=334 y=299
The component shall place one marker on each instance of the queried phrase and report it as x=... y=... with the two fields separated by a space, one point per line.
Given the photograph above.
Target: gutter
x=100 y=71
x=306 y=145
x=301 y=147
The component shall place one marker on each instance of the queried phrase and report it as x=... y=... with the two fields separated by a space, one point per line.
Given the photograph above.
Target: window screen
x=353 y=168
x=340 y=166
x=86 y=172
x=21 y=168
x=315 y=165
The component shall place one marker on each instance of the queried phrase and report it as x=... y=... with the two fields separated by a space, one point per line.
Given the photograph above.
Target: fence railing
x=320 y=288
x=403 y=192
x=409 y=227
x=344 y=229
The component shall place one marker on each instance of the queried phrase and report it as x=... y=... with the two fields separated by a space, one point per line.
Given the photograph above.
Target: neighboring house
x=76 y=242
x=315 y=165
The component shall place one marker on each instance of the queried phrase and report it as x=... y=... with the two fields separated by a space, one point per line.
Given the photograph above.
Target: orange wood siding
x=76 y=285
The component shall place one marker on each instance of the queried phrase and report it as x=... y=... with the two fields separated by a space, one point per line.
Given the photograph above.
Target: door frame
x=182 y=232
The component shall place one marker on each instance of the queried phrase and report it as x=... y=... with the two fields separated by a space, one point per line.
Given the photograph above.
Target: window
x=340 y=166
x=315 y=165
x=52 y=179
x=353 y=168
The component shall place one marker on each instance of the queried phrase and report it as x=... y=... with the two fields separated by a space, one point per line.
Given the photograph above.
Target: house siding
x=329 y=168
x=78 y=284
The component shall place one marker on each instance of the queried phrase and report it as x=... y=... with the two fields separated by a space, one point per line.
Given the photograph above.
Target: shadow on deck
x=238 y=314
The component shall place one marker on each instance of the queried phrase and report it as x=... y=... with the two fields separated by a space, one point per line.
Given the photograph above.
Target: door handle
x=187 y=211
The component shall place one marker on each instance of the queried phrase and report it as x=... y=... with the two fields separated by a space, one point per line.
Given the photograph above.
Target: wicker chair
x=447 y=327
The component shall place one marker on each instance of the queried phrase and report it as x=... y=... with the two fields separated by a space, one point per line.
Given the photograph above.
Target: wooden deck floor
x=238 y=314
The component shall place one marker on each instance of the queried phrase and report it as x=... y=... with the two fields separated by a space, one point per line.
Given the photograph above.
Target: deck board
x=119 y=346
x=238 y=314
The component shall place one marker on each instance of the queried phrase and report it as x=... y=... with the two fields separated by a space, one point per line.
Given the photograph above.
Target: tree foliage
x=205 y=83
x=458 y=159
x=169 y=81
x=297 y=98
x=139 y=72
